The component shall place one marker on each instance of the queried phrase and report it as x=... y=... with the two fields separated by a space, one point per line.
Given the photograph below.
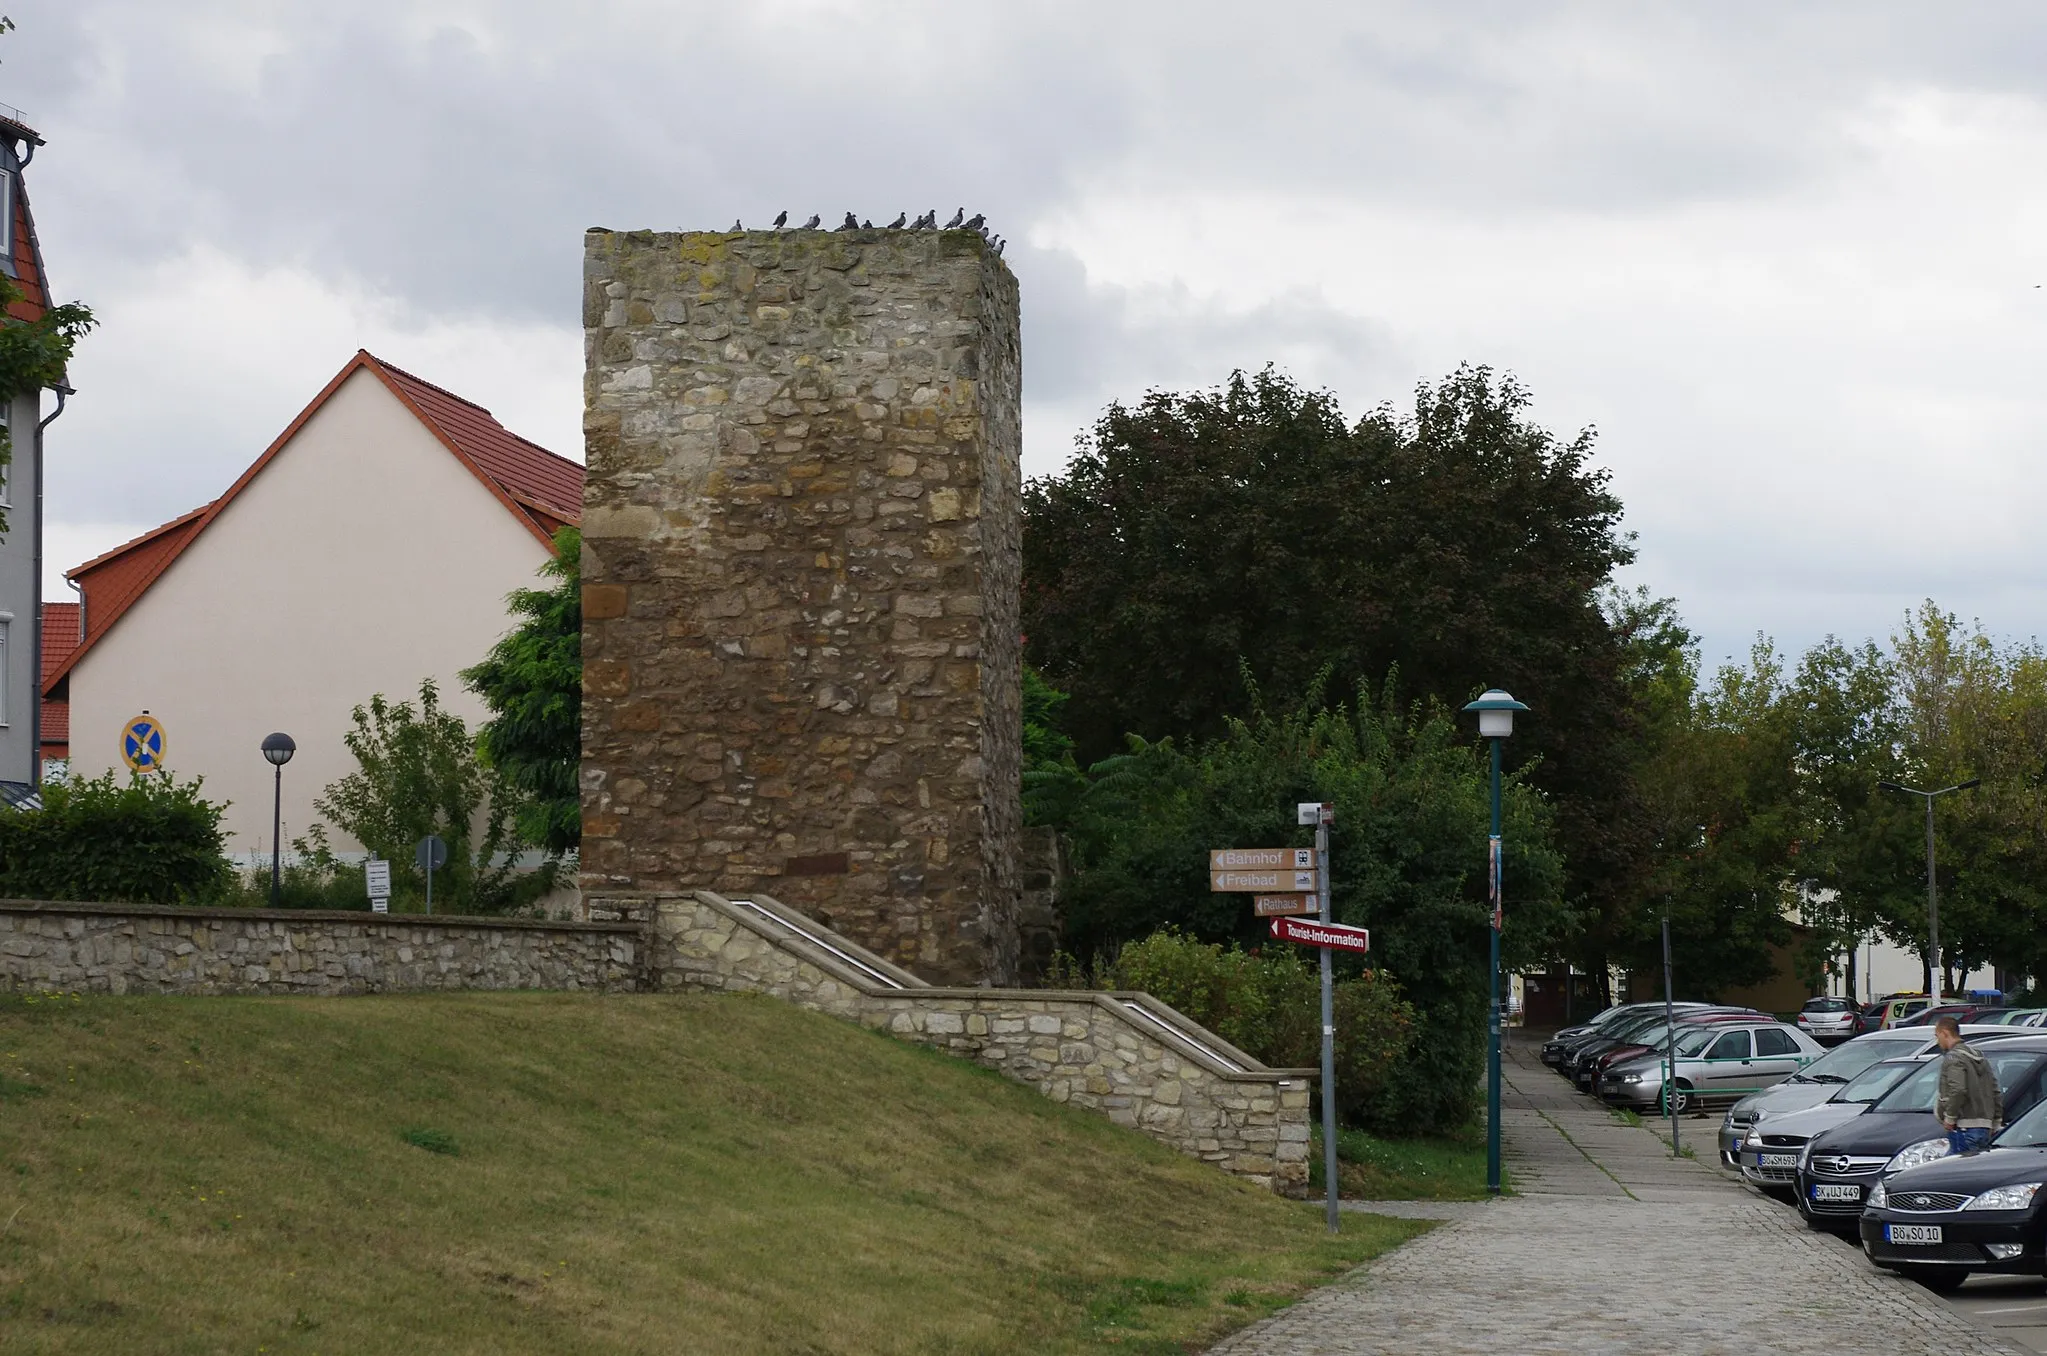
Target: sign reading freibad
x=1260 y=882
x=1308 y=932
x=1261 y=859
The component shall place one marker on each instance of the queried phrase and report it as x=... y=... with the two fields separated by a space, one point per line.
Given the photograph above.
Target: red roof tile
x=544 y=491
x=60 y=638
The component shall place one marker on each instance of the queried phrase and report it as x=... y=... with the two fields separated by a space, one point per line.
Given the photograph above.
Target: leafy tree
x=1253 y=526
x=1409 y=851
x=149 y=840
x=532 y=682
x=418 y=774
x=1045 y=745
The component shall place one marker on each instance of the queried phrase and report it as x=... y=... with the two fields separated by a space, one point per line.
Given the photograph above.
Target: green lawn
x=479 y=1173
x=1442 y=1167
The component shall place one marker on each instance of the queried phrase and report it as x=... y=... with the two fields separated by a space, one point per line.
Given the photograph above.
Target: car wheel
x=1940 y=1280
x=1681 y=1100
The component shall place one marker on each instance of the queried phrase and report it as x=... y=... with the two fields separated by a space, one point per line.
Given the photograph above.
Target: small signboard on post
x=1268 y=906
x=1261 y=859
x=1260 y=882
x=377 y=875
x=1334 y=936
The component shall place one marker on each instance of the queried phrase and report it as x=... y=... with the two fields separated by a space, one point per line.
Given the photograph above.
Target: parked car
x=1948 y=1220
x=1619 y=1033
x=1828 y=1020
x=1595 y=1059
x=1818 y=1081
x=1961 y=1012
x=1840 y=1165
x=1725 y=1061
x=2013 y=1017
x=1554 y=1050
x=1770 y=1150
x=1896 y=1008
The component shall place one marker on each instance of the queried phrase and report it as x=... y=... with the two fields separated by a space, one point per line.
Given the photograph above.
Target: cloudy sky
x=1787 y=259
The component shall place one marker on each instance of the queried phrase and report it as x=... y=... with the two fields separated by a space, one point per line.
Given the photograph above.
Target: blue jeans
x=1967 y=1141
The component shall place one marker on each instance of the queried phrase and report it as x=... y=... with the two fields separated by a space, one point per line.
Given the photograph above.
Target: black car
x=1943 y=1222
x=1841 y=1165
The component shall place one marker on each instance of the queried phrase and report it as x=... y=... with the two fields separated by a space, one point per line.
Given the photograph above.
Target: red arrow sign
x=1308 y=932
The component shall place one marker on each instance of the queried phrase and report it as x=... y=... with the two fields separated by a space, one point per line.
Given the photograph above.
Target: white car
x=1770 y=1149
x=1828 y=1020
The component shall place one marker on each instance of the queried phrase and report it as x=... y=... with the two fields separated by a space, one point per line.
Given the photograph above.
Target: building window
x=7 y=220
x=3 y=674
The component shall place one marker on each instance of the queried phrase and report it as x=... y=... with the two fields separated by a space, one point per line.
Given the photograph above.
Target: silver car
x=1769 y=1152
x=1828 y=1020
x=1819 y=1080
x=1725 y=1061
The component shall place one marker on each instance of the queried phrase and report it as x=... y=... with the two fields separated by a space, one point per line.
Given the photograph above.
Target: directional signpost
x=1285 y=883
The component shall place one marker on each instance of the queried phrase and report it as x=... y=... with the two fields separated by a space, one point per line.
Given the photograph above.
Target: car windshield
x=1843 y=1062
x=1916 y=1091
x=2028 y=1131
x=1872 y=1083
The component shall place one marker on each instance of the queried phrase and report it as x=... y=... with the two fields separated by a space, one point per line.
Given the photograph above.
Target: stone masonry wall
x=801 y=564
x=1124 y=1055
x=134 y=948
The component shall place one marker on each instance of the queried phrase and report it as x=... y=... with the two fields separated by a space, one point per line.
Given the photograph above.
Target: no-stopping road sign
x=1335 y=936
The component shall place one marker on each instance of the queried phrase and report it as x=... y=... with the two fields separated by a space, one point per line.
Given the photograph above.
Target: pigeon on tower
x=977 y=222
x=781 y=220
x=957 y=218
x=812 y=224
x=897 y=224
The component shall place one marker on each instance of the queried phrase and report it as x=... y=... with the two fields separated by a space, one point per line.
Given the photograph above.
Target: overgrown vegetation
x=418 y=773
x=1446 y=1166
x=147 y=838
x=532 y=681
x=1409 y=847
x=699 y=1174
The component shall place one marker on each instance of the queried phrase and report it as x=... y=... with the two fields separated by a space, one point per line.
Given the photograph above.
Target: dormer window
x=7 y=223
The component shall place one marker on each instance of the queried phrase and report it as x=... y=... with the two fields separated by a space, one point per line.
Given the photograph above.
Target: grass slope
x=507 y=1173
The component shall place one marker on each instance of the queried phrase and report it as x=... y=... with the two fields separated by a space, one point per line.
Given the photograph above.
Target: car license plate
x=1778 y=1160
x=1827 y=1192
x=1911 y=1233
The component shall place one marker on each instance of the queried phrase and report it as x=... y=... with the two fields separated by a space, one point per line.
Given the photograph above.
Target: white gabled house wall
x=364 y=557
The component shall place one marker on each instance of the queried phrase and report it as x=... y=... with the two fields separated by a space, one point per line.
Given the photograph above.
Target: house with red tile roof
x=61 y=635
x=369 y=547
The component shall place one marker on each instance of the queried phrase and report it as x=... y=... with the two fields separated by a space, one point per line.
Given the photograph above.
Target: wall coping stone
x=421 y=920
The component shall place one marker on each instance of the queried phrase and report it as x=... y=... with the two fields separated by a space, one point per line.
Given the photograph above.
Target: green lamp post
x=1495 y=722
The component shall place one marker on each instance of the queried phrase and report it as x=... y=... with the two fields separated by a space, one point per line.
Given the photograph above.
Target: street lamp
x=1933 y=966
x=277 y=750
x=1495 y=722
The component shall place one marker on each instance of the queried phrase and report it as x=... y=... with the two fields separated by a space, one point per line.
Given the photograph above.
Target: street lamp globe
x=1495 y=713
x=279 y=748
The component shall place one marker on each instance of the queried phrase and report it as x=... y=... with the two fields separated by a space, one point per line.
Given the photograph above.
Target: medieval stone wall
x=138 y=948
x=801 y=559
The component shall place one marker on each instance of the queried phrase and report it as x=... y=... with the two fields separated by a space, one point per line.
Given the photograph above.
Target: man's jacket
x=1968 y=1091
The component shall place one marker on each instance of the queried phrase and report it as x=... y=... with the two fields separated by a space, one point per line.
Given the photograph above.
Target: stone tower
x=802 y=543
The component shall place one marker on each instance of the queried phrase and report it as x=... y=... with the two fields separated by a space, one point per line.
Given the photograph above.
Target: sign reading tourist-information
x=1308 y=932
x=1260 y=882
x=1261 y=859
x=1265 y=906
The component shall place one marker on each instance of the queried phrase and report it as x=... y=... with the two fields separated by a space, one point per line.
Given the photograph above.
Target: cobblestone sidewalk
x=1613 y=1246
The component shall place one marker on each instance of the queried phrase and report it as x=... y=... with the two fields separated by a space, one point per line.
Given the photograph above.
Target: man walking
x=1968 y=1103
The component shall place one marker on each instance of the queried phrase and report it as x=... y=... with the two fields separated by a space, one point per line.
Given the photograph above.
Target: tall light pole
x=1495 y=722
x=277 y=751
x=1935 y=979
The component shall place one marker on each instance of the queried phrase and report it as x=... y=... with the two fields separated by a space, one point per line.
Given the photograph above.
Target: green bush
x=1268 y=1004
x=150 y=840
x=303 y=884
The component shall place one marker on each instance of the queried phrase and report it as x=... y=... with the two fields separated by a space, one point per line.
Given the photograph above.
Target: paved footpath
x=1612 y=1245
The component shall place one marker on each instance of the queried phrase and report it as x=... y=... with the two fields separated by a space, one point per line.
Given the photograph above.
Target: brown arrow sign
x=1260 y=882
x=1261 y=859
x=1266 y=906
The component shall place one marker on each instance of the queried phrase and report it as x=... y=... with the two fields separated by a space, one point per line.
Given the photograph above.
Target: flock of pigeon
x=928 y=222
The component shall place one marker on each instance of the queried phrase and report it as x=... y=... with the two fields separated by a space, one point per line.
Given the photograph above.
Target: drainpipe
x=35 y=708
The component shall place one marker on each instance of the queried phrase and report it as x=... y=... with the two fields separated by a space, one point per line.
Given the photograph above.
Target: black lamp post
x=1936 y=977
x=1496 y=723
x=278 y=749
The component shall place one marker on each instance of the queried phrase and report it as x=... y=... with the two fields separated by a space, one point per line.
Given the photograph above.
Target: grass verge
x=512 y=1173
x=1445 y=1167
